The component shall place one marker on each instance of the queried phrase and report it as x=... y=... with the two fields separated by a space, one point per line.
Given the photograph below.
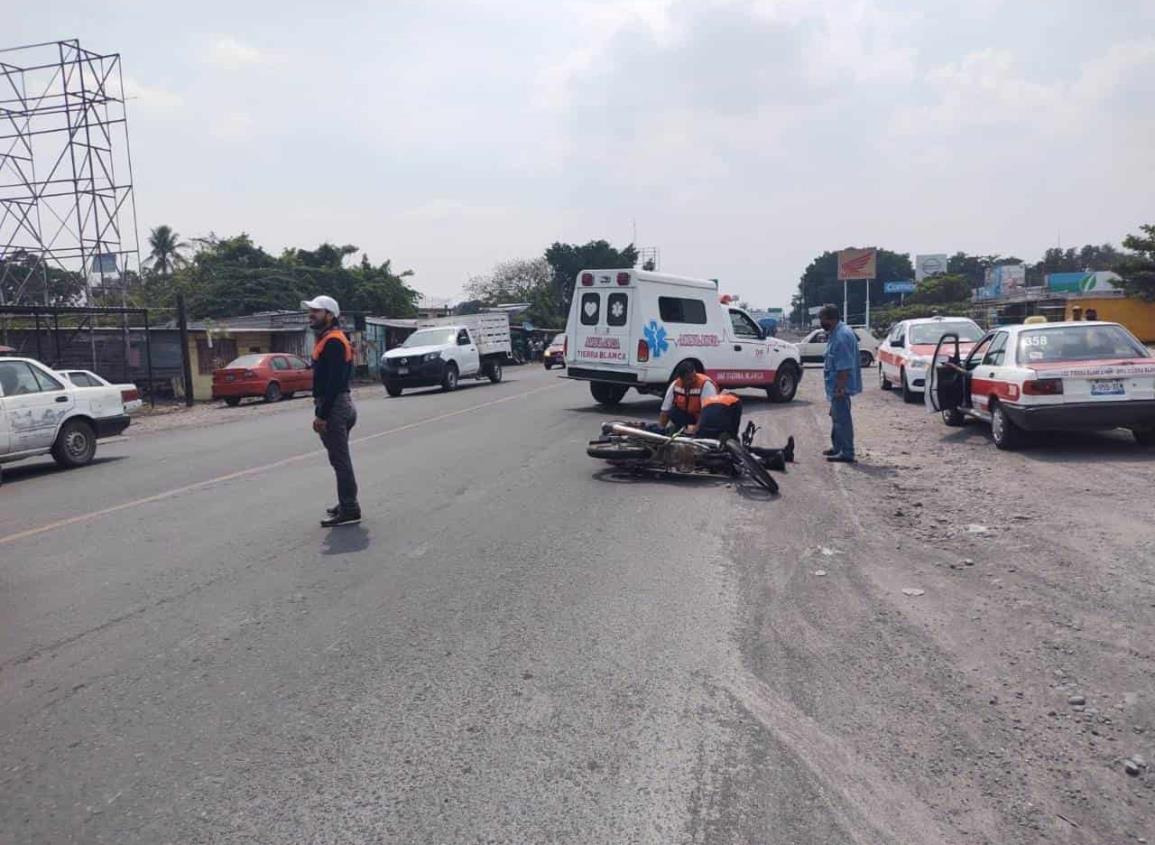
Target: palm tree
x=166 y=247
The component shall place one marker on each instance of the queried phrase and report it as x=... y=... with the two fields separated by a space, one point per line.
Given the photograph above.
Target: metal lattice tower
x=650 y=255
x=66 y=197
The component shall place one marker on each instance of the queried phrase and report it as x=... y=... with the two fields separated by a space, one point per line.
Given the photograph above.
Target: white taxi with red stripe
x=1048 y=377
x=904 y=356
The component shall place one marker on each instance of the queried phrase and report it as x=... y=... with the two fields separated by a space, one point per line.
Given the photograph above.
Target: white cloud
x=229 y=53
x=151 y=98
x=232 y=126
x=988 y=88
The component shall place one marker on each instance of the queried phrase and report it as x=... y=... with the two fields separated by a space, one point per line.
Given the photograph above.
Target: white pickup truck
x=443 y=351
x=42 y=413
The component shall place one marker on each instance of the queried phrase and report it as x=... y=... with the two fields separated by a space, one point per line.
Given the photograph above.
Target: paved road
x=513 y=647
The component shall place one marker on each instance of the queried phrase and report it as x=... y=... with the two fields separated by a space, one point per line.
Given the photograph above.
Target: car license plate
x=402 y=371
x=1107 y=387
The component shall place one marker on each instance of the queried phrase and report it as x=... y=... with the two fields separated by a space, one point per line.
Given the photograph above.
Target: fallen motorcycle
x=639 y=448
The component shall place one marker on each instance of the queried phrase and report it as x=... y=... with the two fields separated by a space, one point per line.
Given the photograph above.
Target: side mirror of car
x=897 y=343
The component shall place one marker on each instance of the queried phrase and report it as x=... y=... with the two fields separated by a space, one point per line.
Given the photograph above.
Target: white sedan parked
x=1048 y=377
x=86 y=378
x=813 y=346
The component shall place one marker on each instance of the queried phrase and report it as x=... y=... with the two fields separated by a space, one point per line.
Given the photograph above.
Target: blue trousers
x=842 y=427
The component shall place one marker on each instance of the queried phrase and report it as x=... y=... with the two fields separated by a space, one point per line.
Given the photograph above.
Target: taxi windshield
x=1078 y=343
x=928 y=333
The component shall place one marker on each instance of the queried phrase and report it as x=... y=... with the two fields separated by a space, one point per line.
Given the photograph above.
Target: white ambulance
x=631 y=328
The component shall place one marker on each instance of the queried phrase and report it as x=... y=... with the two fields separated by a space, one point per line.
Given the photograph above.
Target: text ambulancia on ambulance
x=631 y=328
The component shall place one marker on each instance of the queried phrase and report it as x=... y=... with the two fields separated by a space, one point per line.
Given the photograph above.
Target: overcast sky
x=743 y=136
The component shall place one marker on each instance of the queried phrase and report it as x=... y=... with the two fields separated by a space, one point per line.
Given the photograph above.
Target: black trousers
x=342 y=418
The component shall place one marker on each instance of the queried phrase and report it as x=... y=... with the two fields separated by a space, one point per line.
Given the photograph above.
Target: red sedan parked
x=273 y=376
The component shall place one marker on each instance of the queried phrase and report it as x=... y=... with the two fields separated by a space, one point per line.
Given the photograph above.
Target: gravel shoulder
x=930 y=678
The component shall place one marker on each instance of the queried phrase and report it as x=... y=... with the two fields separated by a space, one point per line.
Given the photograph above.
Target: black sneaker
x=829 y=452
x=343 y=517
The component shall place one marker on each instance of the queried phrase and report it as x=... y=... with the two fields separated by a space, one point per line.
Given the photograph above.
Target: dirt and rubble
x=976 y=628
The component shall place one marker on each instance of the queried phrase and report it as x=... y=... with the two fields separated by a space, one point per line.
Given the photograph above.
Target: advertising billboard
x=1104 y=280
x=929 y=265
x=857 y=264
x=898 y=287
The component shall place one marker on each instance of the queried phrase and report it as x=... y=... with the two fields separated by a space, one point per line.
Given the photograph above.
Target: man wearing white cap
x=335 y=414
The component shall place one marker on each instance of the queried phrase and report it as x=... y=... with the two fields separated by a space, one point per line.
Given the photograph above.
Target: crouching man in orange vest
x=683 y=402
x=335 y=415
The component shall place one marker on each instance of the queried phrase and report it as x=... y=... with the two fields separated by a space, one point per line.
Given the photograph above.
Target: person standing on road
x=842 y=373
x=335 y=414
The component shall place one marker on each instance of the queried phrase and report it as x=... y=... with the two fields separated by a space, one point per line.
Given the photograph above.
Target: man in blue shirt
x=842 y=372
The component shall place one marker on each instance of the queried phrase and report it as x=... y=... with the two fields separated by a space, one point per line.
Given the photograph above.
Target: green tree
x=820 y=285
x=567 y=260
x=230 y=277
x=521 y=280
x=27 y=279
x=165 y=250
x=941 y=289
x=1137 y=267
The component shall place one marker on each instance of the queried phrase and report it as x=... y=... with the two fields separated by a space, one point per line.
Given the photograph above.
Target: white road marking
x=245 y=473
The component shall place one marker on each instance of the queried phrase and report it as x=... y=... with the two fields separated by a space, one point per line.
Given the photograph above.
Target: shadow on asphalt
x=745 y=489
x=1064 y=446
x=15 y=473
x=345 y=540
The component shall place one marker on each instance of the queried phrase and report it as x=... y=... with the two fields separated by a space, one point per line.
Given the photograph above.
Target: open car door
x=945 y=377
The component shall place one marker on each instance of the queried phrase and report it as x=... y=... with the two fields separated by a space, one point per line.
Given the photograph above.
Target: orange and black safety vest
x=690 y=400
x=721 y=399
x=333 y=334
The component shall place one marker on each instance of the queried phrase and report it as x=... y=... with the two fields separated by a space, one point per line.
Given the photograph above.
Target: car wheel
x=883 y=381
x=233 y=401
x=954 y=418
x=392 y=389
x=908 y=395
x=549 y=365
x=75 y=445
x=449 y=380
x=866 y=358
x=607 y=394
x=1144 y=436
x=494 y=371
x=1004 y=432
x=273 y=392
x=785 y=385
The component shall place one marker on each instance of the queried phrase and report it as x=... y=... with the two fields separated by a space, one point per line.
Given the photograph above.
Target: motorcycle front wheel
x=612 y=451
x=751 y=466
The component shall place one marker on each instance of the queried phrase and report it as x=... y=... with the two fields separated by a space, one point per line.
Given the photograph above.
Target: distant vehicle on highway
x=42 y=413
x=272 y=376
x=631 y=328
x=446 y=350
x=1047 y=377
x=904 y=356
x=86 y=378
x=813 y=346
x=554 y=355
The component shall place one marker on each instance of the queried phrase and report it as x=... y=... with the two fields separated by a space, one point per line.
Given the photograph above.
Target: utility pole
x=185 y=358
